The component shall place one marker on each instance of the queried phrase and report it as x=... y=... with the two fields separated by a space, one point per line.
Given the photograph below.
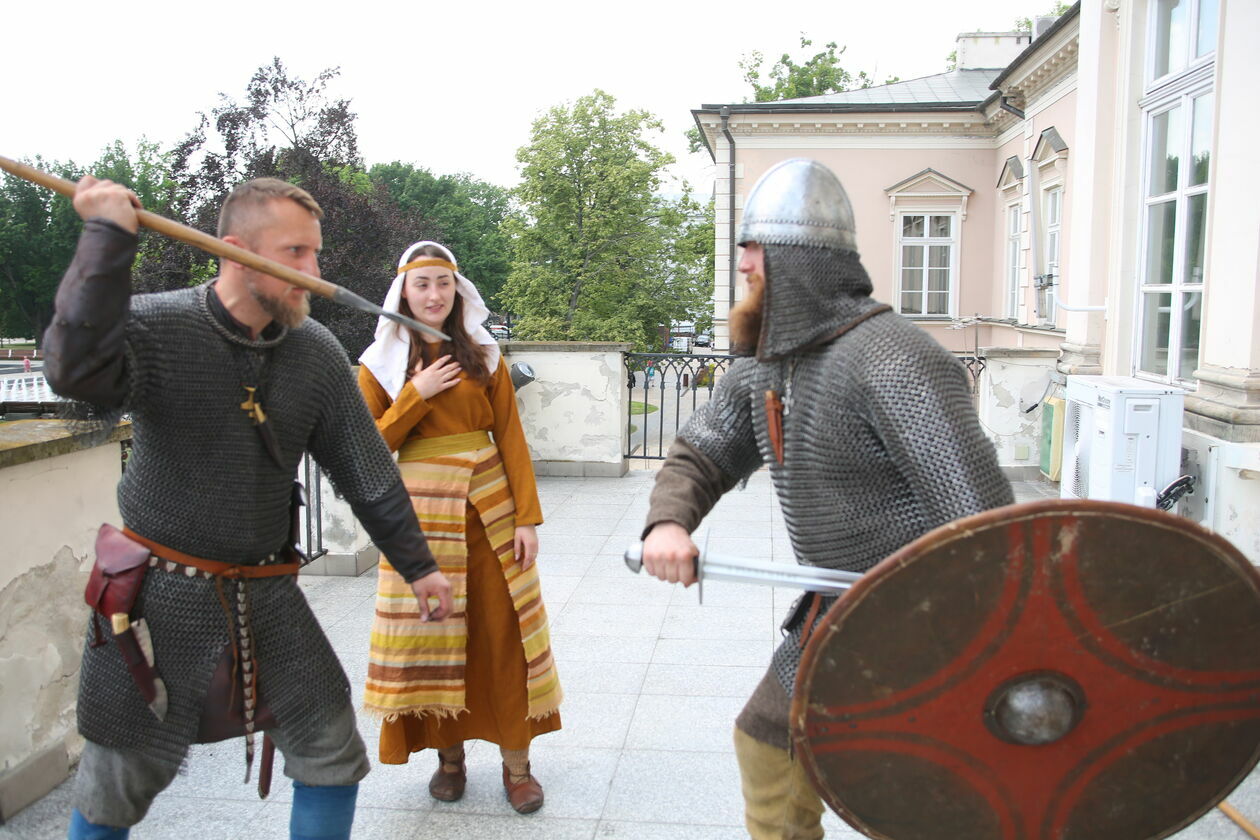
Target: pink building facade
x=1081 y=199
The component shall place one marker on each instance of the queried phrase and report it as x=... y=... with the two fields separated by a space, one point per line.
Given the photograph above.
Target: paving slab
x=653 y=681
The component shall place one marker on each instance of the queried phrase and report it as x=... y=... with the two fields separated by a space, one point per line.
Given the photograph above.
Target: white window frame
x=1053 y=232
x=1193 y=62
x=1178 y=88
x=954 y=241
x=1014 y=256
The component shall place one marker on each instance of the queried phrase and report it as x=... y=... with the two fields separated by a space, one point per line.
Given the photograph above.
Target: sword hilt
x=634 y=562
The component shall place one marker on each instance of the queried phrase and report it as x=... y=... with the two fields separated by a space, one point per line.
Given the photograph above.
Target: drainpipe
x=725 y=114
x=1006 y=106
x=1034 y=231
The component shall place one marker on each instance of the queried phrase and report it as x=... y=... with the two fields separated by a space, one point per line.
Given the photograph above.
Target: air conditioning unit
x=1121 y=439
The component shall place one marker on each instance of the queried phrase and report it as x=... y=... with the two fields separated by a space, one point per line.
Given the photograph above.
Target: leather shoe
x=448 y=786
x=526 y=796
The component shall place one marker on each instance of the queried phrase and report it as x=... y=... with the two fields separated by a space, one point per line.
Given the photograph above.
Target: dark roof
x=955 y=90
x=955 y=87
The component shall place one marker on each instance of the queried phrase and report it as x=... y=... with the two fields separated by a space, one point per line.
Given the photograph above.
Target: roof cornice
x=1044 y=61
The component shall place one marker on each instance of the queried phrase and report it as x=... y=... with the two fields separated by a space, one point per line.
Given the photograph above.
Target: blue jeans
x=81 y=829
x=321 y=812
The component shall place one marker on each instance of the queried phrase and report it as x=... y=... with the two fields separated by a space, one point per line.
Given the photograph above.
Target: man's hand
x=104 y=199
x=433 y=585
x=525 y=544
x=669 y=553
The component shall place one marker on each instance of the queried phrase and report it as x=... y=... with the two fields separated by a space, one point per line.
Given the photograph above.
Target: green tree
x=819 y=74
x=468 y=212
x=600 y=254
x=292 y=129
x=1025 y=24
x=38 y=232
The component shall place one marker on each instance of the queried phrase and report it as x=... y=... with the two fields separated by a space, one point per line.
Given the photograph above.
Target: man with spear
x=227 y=384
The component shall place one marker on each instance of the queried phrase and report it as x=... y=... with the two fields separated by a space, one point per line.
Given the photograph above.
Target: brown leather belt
x=219 y=716
x=215 y=568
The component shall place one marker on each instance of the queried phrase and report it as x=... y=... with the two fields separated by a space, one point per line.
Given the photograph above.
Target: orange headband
x=427 y=261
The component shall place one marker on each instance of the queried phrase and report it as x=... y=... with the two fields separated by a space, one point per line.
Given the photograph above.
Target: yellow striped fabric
x=417 y=667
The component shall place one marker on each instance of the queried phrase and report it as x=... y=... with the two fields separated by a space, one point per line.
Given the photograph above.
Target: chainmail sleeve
x=88 y=357
x=348 y=447
x=920 y=405
x=715 y=451
x=722 y=429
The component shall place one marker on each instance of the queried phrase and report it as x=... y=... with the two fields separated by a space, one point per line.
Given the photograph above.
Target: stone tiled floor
x=653 y=682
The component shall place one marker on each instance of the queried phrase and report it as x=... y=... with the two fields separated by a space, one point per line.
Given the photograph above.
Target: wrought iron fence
x=975 y=366
x=313 y=513
x=665 y=390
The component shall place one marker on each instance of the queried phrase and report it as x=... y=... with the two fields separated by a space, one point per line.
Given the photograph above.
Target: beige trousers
x=779 y=802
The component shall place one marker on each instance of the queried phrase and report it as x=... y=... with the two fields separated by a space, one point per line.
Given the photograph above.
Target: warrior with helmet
x=866 y=424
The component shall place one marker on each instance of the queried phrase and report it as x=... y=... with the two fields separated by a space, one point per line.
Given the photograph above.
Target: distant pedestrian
x=26 y=363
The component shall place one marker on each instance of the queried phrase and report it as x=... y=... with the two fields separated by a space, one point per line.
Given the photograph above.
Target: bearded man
x=866 y=424
x=227 y=385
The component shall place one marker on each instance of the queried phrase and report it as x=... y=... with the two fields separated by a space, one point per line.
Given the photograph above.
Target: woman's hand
x=525 y=544
x=437 y=377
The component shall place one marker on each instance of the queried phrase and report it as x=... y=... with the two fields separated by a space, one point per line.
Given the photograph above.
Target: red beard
x=745 y=317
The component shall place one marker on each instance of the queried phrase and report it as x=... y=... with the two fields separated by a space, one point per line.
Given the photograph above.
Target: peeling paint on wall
x=42 y=620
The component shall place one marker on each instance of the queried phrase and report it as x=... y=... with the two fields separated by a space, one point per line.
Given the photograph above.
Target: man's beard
x=284 y=314
x=744 y=319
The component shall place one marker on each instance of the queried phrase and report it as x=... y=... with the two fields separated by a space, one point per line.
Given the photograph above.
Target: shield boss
x=1073 y=670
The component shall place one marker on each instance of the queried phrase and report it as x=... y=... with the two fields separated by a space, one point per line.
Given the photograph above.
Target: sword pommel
x=634 y=557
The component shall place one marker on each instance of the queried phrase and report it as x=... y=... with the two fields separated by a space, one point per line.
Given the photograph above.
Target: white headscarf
x=387 y=355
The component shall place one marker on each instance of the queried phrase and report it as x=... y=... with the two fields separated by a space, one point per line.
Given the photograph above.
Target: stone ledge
x=580 y=469
x=23 y=441
x=33 y=779
x=1019 y=472
x=1019 y=353
x=343 y=565
x=568 y=346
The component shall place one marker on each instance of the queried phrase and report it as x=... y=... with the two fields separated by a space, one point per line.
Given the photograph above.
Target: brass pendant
x=252 y=407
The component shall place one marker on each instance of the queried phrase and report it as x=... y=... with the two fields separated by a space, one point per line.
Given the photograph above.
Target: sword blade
x=714 y=566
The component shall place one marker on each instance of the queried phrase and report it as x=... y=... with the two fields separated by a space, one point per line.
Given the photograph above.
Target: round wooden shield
x=1059 y=669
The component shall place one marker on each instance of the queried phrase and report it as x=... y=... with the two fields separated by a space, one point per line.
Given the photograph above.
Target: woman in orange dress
x=449 y=410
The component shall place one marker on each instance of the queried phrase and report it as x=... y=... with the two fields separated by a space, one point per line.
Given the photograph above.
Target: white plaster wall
x=575 y=410
x=52 y=509
x=342 y=532
x=1013 y=382
x=983 y=50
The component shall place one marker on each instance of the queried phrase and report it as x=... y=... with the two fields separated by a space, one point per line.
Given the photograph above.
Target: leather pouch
x=223 y=715
x=117 y=575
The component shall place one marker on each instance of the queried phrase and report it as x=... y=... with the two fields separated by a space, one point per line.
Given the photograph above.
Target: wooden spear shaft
x=1241 y=821
x=226 y=250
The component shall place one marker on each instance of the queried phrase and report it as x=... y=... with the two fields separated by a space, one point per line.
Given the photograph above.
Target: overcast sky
x=451 y=86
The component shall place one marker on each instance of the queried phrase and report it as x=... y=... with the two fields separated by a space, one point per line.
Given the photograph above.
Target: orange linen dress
x=495 y=675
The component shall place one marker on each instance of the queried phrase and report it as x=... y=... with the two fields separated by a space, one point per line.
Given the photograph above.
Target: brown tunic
x=495 y=677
